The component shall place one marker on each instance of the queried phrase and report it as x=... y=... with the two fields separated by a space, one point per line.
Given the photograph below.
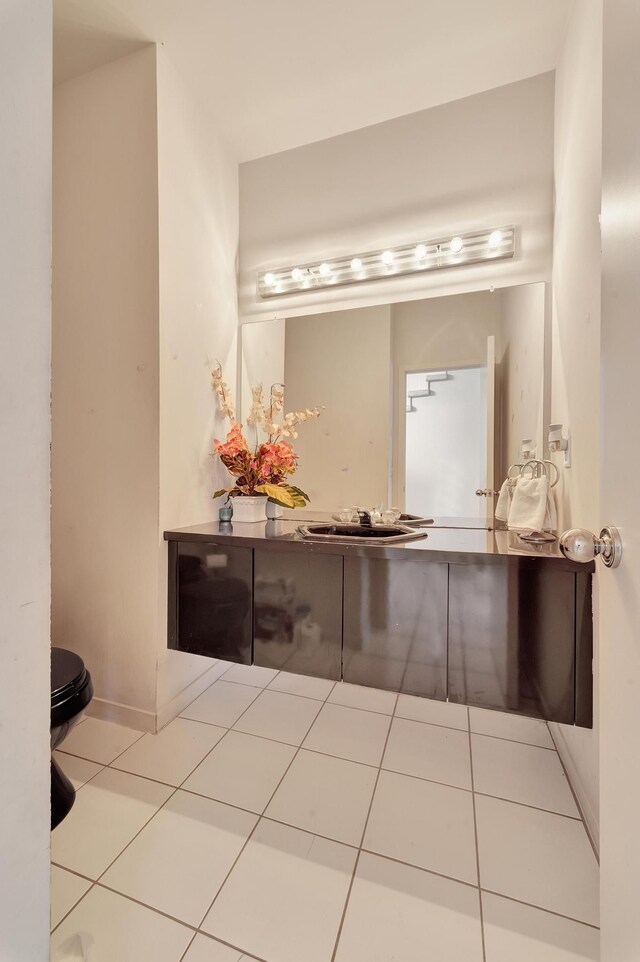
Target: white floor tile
x=78 y=770
x=106 y=927
x=357 y=696
x=284 y=718
x=517 y=728
x=250 y=675
x=304 y=685
x=181 y=858
x=205 y=949
x=324 y=795
x=242 y=770
x=222 y=704
x=522 y=773
x=284 y=899
x=349 y=733
x=513 y=931
x=66 y=890
x=425 y=824
x=403 y=914
x=109 y=810
x=173 y=753
x=434 y=712
x=429 y=751
x=99 y=741
x=537 y=857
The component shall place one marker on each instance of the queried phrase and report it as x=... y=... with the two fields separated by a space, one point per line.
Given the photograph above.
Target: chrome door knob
x=583 y=546
x=485 y=492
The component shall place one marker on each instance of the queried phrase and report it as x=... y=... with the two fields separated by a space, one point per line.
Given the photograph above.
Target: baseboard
x=136 y=718
x=179 y=702
x=582 y=796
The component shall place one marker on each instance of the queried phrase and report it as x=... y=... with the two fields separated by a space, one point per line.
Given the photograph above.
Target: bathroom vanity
x=466 y=614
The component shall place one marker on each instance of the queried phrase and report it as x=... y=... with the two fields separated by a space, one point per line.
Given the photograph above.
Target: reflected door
x=446 y=442
x=492 y=407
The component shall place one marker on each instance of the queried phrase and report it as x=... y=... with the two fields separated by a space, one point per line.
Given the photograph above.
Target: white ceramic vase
x=274 y=511
x=249 y=508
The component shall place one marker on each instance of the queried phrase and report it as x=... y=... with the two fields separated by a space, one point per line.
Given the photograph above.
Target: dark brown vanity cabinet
x=395 y=625
x=504 y=632
x=297 y=612
x=517 y=642
x=210 y=598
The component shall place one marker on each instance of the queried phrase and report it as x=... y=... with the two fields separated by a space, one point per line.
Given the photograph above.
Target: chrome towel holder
x=538 y=468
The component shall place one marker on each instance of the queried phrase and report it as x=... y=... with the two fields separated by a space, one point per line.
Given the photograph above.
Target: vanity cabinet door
x=297 y=612
x=210 y=587
x=512 y=638
x=395 y=625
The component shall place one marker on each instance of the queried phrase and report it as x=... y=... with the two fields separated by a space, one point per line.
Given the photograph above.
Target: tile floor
x=287 y=819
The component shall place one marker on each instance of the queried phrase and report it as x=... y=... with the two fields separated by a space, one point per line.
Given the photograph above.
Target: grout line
x=540 y=908
x=185 y=953
x=236 y=948
x=421 y=868
x=362 y=837
x=536 y=808
x=514 y=741
x=258 y=821
x=575 y=798
x=145 y=905
x=475 y=835
x=66 y=916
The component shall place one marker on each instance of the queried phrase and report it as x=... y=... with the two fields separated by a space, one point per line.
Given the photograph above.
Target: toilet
x=71 y=692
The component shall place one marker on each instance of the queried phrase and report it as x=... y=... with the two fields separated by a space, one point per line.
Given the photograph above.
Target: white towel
x=529 y=504
x=551 y=515
x=503 y=505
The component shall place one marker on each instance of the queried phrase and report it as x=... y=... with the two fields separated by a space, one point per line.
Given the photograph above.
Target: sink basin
x=360 y=533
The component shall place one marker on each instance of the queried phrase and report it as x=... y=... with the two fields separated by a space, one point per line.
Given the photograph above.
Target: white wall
x=25 y=310
x=524 y=380
x=575 y=399
x=198 y=241
x=341 y=361
x=620 y=598
x=105 y=379
x=480 y=161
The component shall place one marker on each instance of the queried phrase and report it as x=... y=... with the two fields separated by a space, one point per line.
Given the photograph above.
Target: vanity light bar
x=496 y=243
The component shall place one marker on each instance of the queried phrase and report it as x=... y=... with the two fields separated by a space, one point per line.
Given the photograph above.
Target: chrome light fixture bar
x=496 y=243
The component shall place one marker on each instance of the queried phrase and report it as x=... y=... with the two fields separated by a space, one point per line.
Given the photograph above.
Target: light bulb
x=324 y=269
x=420 y=252
x=269 y=279
x=456 y=244
x=495 y=238
x=387 y=258
x=356 y=264
x=296 y=274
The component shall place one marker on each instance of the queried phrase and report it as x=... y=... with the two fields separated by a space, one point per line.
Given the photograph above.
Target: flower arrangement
x=265 y=467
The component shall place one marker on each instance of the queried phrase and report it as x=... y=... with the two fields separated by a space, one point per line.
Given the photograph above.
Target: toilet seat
x=71 y=688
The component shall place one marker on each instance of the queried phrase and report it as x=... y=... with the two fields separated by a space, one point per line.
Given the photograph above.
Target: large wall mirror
x=426 y=402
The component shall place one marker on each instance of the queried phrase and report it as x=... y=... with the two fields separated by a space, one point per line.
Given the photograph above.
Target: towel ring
x=540 y=465
x=518 y=468
x=555 y=468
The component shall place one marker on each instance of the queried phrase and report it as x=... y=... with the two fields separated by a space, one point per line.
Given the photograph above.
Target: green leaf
x=278 y=493
x=218 y=494
x=299 y=492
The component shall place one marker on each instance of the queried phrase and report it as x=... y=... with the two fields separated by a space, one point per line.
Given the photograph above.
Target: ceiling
x=276 y=74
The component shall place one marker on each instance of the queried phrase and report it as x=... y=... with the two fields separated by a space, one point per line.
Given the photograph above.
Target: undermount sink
x=361 y=533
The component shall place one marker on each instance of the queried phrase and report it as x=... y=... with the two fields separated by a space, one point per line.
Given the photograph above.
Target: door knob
x=485 y=492
x=581 y=545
